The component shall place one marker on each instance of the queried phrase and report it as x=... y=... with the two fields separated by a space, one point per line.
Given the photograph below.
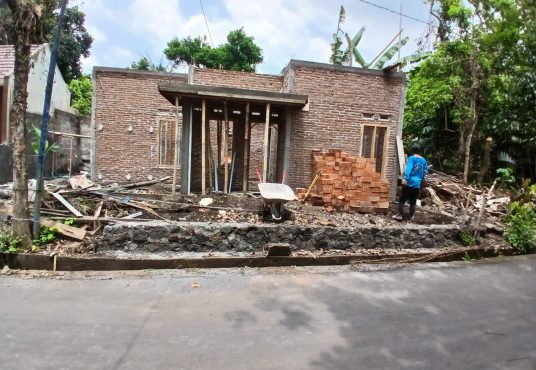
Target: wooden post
x=203 y=148
x=218 y=141
x=71 y=157
x=176 y=149
x=210 y=159
x=185 y=147
x=286 y=154
x=266 y=144
x=245 y=178
x=226 y=149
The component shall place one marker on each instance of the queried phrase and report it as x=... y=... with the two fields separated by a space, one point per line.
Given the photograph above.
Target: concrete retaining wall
x=157 y=236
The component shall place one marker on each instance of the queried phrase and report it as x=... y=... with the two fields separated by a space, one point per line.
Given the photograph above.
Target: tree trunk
x=24 y=22
x=486 y=162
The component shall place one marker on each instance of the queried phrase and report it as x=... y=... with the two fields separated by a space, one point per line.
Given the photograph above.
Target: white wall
x=37 y=81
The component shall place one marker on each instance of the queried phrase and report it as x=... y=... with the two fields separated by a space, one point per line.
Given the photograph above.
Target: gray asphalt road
x=449 y=316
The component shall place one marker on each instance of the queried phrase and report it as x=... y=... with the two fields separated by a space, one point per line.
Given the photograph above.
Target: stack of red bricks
x=347 y=183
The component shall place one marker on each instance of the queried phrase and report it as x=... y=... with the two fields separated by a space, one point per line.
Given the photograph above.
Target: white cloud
x=283 y=29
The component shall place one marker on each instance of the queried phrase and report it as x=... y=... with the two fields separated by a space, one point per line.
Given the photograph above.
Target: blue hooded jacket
x=416 y=169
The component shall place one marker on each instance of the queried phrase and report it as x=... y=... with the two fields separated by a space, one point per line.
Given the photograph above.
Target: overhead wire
x=206 y=22
x=395 y=12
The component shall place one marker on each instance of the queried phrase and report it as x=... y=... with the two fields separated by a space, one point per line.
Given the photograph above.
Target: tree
x=239 y=53
x=75 y=41
x=25 y=20
x=82 y=92
x=145 y=64
x=480 y=82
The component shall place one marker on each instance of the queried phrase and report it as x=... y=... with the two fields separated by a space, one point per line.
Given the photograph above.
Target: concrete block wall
x=129 y=98
x=55 y=163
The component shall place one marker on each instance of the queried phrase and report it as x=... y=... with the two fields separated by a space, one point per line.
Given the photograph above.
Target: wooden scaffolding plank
x=68 y=205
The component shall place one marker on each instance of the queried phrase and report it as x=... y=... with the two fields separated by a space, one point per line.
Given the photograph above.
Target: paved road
x=450 y=316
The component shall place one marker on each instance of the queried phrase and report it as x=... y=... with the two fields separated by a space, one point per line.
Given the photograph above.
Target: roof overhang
x=172 y=90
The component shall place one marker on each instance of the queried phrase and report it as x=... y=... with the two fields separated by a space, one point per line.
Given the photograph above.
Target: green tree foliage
x=479 y=82
x=82 y=92
x=239 y=53
x=145 y=64
x=75 y=41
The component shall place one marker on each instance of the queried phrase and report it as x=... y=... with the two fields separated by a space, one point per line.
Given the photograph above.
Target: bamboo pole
x=71 y=157
x=266 y=143
x=226 y=149
x=203 y=148
x=245 y=178
x=176 y=149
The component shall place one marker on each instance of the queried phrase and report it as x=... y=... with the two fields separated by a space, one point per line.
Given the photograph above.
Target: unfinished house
x=225 y=130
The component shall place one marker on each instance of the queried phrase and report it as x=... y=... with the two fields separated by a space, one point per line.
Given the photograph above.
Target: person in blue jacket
x=416 y=169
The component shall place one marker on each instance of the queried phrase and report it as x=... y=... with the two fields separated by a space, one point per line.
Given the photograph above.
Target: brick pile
x=347 y=183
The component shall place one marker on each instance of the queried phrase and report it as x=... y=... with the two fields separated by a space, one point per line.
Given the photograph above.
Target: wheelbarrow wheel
x=275 y=209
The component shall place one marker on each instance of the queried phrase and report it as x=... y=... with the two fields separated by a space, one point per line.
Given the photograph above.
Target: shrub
x=520 y=230
x=467 y=238
x=46 y=235
x=8 y=245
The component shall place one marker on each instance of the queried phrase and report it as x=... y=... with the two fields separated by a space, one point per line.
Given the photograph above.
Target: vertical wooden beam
x=176 y=149
x=185 y=148
x=218 y=141
x=288 y=134
x=210 y=159
x=245 y=178
x=226 y=149
x=373 y=145
x=266 y=143
x=203 y=148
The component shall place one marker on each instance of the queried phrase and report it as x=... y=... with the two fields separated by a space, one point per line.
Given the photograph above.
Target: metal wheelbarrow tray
x=274 y=195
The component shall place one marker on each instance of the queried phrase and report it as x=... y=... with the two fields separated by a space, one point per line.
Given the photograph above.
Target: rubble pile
x=347 y=183
x=448 y=195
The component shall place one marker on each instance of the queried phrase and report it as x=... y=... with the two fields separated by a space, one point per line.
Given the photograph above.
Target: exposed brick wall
x=337 y=100
x=243 y=80
x=126 y=98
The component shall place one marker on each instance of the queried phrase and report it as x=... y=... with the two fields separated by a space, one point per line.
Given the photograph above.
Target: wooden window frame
x=159 y=121
x=373 y=147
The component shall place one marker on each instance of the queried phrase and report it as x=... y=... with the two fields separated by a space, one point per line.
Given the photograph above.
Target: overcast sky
x=124 y=30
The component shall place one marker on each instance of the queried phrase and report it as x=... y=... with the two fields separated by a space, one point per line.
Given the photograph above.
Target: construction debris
x=80 y=182
x=205 y=202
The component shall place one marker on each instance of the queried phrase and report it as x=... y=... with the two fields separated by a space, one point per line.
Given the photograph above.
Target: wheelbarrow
x=274 y=195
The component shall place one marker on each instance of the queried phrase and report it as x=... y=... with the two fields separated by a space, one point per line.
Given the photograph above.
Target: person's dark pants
x=410 y=194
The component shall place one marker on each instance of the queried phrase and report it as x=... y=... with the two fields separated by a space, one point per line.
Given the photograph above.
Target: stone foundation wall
x=157 y=236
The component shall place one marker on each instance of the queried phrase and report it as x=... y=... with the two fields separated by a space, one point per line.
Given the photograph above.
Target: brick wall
x=340 y=99
x=243 y=80
x=128 y=98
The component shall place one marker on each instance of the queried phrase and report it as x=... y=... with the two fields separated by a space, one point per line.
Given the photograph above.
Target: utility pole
x=44 y=122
